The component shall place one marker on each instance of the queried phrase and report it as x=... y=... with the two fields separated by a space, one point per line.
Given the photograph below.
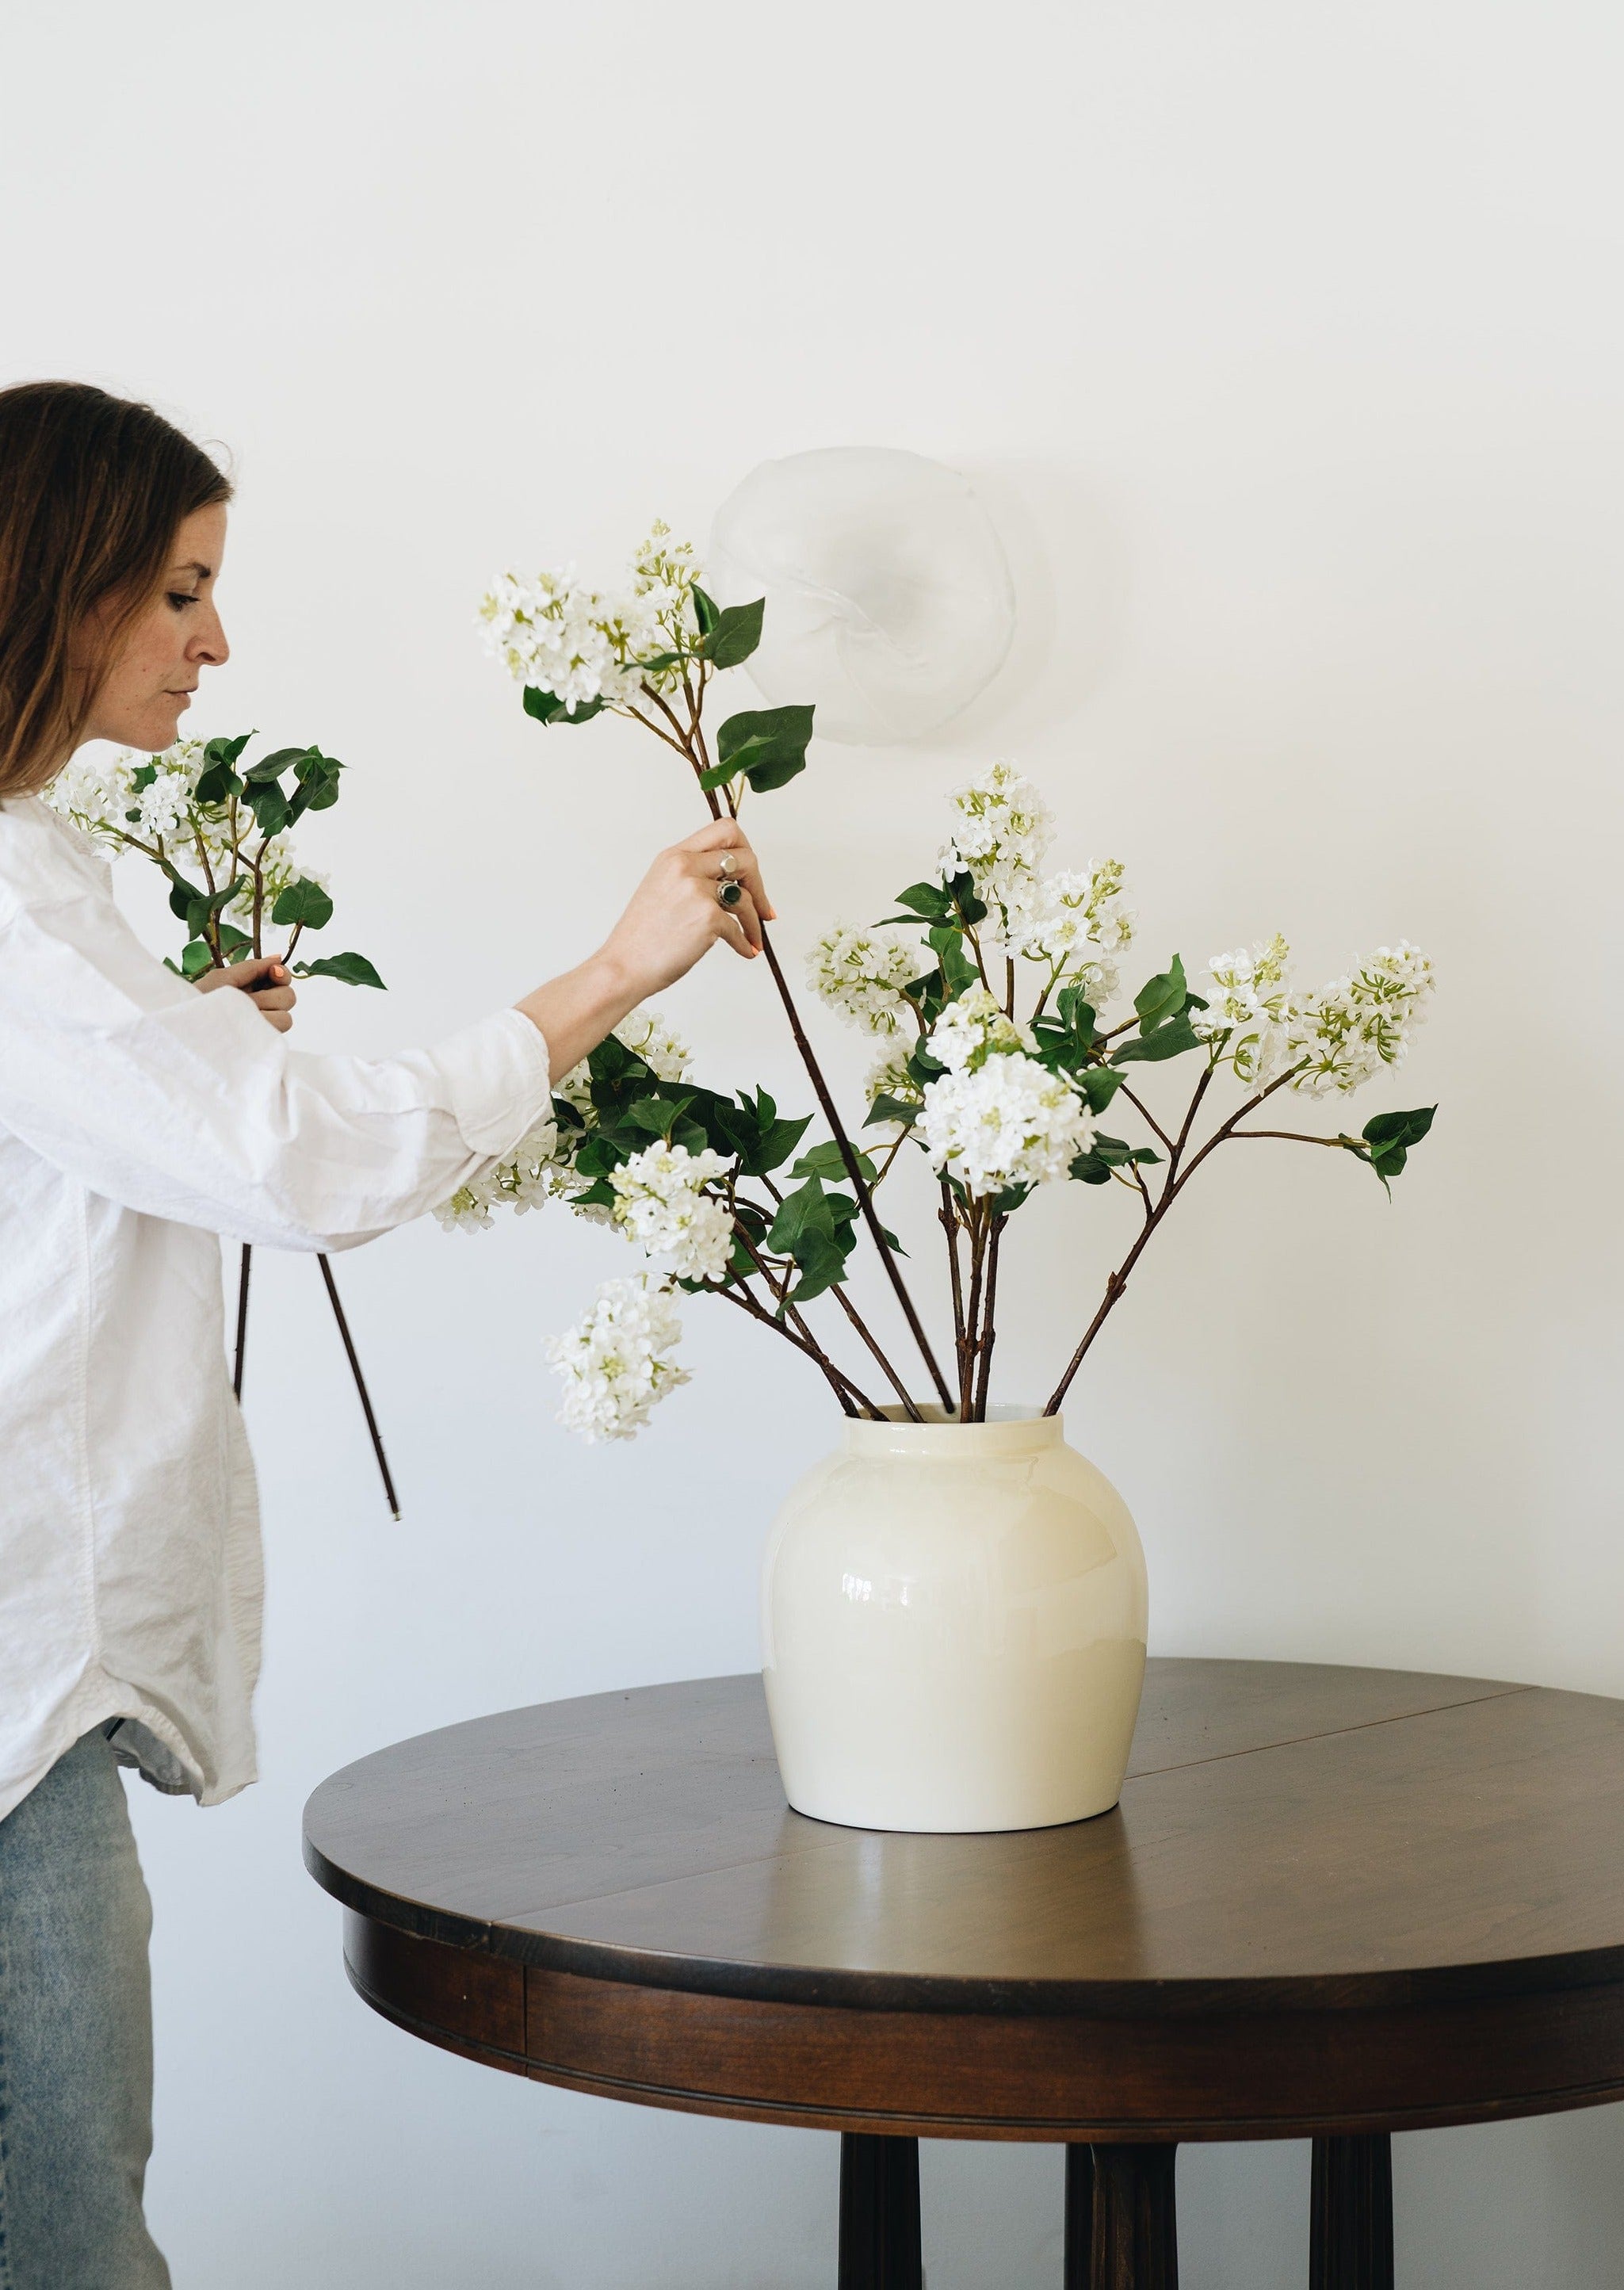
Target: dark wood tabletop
x=1333 y=1901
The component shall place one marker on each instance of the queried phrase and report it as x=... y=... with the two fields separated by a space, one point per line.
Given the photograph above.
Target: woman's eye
x=178 y=597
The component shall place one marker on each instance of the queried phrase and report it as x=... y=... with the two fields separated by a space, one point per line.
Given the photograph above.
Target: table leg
x=1350 y=2218
x=879 y=2212
x=1122 y=2226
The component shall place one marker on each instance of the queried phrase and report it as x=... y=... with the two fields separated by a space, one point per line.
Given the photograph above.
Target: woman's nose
x=208 y=645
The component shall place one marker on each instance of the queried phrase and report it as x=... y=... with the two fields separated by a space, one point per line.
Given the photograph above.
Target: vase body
x=952 y=1625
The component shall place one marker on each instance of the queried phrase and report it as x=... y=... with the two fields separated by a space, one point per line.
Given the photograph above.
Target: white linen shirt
x=139 y=1119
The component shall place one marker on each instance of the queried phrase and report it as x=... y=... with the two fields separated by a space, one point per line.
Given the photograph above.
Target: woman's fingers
x=742 y=926
x=264 y=977
x=726 y=834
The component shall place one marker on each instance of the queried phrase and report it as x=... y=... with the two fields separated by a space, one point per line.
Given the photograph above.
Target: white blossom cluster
x=974 y=1028
x=861 y=974
x=542 y=1166
x=1341 y=1037
x=1358 y=1025
x=581 y=644
x=889 y=1076
x=94 y=794
x=1010 y=1123
x=99 y=795
x=530 y=1175
x=996 y=1119
x=616 y=1363
x=661 y=1203
x=1000 y=829
x=1077 y=922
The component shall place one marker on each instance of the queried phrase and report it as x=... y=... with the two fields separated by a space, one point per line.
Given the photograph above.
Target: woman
x=139 y=1119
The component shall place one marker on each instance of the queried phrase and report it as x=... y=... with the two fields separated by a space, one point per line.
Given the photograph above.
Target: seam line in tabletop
x=1329 y=1734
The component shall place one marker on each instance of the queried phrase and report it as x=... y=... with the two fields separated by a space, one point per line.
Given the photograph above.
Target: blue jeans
x=75 y=2036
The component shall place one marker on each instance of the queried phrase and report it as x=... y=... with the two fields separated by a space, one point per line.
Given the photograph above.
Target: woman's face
x=147 y=686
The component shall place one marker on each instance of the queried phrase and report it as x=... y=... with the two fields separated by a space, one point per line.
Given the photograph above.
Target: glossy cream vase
x=953 y=1622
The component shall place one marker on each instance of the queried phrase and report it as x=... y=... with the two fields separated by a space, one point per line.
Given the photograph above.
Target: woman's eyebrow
x=203 y=572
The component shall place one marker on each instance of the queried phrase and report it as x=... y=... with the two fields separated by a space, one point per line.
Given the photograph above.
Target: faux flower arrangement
x=221 y=834
x=1007 y=1056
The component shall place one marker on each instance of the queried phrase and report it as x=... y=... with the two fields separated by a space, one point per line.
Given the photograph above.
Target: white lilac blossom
x=660 y=1202
x=525 y=1178
x=1006 y=1123
x=1358 y=1026
x=542 y=1166
x=1077 y=923
x=581 y=645
x=1340 y=1038
x=616 y=1363
x=646 y=1035
x=1000 y=829
x=861 y=974
x=974 y=1028
x=889 y=1076
x=1251 y=1001
x=101 y=797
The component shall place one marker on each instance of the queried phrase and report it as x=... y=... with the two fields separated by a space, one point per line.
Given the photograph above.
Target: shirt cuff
x=497 y=1081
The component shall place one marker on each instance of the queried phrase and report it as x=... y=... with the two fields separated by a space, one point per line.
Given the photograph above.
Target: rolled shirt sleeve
x=188 y=1106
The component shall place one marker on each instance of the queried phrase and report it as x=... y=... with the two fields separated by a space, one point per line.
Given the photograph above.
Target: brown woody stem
x=848 y=1155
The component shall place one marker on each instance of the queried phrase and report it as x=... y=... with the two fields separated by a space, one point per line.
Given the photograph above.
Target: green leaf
x=971 y=909
x=226 y=751
x=1391 y=1133
x=1107 y=1154
x=822 y=1264
x=659 y=661
x=825 y=1160
x=929 y=899
x=195 y=957
x=799 y=1211
x=305 y=902
x=184 y=895
x=348 y=969
x=201 y=912
x=1163 y=998
x=658 y=1115
x=217 y=783
x=233 y=943
x=318 y=783
x=817 y=1231
x=1387 y=1140
x=887 y=1108
x=547 y=707
x=767 y=744
x=1170 y=1040
x=706 y=612
x=735 y=636
x=958 y=972
x=1097 y=1086
x=753 y=1130
x=269 y=807
x=272 y=766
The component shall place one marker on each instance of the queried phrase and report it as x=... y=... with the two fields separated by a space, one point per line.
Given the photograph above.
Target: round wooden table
x=1332 y=1902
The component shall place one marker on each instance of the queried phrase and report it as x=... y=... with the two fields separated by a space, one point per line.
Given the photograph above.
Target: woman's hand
x=674 y=918
x=269 y=981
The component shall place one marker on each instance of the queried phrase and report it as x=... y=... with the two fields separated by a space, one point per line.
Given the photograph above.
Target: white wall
x=1283 y=339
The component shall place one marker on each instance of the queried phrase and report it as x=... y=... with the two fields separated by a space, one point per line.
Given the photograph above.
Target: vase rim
x=1010 y=1428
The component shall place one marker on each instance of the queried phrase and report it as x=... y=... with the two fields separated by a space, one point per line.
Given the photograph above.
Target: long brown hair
x=92 y=490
